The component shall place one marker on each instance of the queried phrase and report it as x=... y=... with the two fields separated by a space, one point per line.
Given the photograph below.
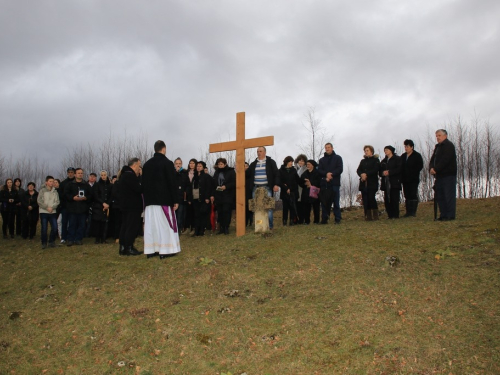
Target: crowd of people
x=163 y=200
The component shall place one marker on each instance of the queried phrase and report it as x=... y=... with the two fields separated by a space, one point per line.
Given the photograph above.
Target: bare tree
x=317 y=135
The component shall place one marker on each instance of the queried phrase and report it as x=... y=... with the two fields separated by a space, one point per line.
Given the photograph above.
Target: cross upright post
x=240 y=145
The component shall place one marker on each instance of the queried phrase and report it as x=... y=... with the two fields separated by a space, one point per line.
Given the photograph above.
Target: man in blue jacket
x=330 y=168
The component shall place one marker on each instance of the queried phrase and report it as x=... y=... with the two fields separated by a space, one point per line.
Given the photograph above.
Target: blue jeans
x=179 y=214
x=76 y=228
x=325 y=211
x=446 y=196
x=44 y=220
x=269 y=194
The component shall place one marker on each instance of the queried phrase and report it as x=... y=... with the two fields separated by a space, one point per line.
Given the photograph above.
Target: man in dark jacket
x=330 y=168
x=161 y=200
x=130 y=200
x=443 y=166
x=263 y=172
x=77 y=194
x=63 y=203
x=411 y=164
x=182 y=182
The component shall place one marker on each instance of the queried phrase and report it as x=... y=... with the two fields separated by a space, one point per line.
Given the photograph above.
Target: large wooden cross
x=240 y=145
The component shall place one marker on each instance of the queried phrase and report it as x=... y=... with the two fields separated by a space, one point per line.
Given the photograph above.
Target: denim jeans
x=269 y=194
x=325 y=211
x=180 y=213
x=76 y=227
x=52 y=219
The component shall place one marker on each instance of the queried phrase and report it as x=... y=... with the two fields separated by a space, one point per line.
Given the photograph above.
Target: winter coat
x=315 y=180
x=273 y=177
x=5 y=195
x=203 y=182
x=411 y=167
x=129 y=190
x=115 y=203
x=62 y=191
x=29 y=200
x=159 y=181
x=48 y=198
x=444 y=159
x=225 y=177
x=72 y=190
x=101 y=192
x=182 y=183
x=288 y=180
x=370 y=166
x=393 y=165
x=331 y=163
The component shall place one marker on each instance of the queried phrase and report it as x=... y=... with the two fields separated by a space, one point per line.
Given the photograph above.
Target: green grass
x=286 y=304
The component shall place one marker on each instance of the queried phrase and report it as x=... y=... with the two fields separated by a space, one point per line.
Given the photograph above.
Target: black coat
x=315 y=180
x=203 y=182
x=273 y=177
x=159 y=181
x=62 y=192
x=129 y=190
x=288 y=180
x=72 y=190
x=182 y=182
x=370 y=166
x=229 y=181
x=331 y=163
x=393 y=165
x=5 y=195
x=444 y=159
x=29 y=200
x=101 y=192
x=411 y=167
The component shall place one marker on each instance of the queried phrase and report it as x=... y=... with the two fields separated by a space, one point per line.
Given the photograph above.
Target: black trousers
x=289 y=207
x=391 y=202
x=29 y=225
x=201 y=216
x=369 y=200
x=224 y=211
x=410 y=191
x=8 y=219
x=307 y=211
x=131 y=226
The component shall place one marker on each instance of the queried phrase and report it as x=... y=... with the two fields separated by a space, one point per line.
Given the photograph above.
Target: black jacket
x=5 y=195
x=273 y=177
x=411 y=167
x=159 y=182
x=101 y=193
x=331 y=163
x=393 y=165
x=62 y=192
x=315 y=180
x=227 y=178
x=203 y=182
x=288 y=180
x=182 y=182
x=72 y=190
x=129 y=190
x=444 y=159
x=371 y=167
x=29 y=200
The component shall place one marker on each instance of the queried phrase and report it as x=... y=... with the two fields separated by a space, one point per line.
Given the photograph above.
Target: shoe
x=221 y=231
x=121 y=250
x=226 y=230
x=63 y=242
x=163 y=256
x=337 y=222
x=52 y=244
x=69 y=243
x=151 y=255
x=44 y=246
x=78 y=243
x=131 y=250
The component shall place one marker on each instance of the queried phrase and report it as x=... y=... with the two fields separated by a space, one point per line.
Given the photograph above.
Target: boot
x=132 y=251
x=122 y=250
x=375 y=214
x=284 y=222
x=368 y=215
x=226 y=230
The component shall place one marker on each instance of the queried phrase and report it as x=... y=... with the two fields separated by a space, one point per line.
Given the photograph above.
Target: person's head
x=328 y=148
x=49 y=182
x=389 y=151
x=409 y=146
x=178 y=164
x=17 y=182
x=441 y=135
x=221 y=163
x=9 y=183
x=200 y=166
x=192 y=164
x=31 y=186
x=71 y=172
x=104 y=175
x=288 y=161
x=247 y=166
x=79 y=174
x=92 y=177
x=301 y=160
x=57 y=182
x=311 y=165
x=160 y=147
x=369 y=151
x=135 y=165
x=261 y=152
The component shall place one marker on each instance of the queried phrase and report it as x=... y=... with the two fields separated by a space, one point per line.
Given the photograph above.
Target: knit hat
x=313 y=162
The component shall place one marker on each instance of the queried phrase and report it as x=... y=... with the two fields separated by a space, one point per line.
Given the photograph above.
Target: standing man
x=88 y=224
x=182 y=182
x=330 y=168
x=77 y=196
x=411 y=163
x=48 y=200
x=63 y=203
x=161 y=200
x=130 y=201
x=263 y=172
x=443 y=166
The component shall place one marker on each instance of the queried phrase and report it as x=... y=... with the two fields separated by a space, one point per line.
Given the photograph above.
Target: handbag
x=313 y=192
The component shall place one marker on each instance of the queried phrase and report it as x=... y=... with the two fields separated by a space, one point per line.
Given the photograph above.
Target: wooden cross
x=240 y=145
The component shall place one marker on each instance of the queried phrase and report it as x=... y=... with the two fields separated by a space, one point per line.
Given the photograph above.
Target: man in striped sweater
x=263 y=172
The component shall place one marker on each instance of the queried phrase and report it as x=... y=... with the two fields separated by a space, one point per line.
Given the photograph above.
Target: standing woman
x=225 y=194
x=368 y=182
x=412 y=163
x=289 y=190
x=390 y=171
x=29 y=211
x=18 y=212
x=300 y=165
x=201 y=192
x=310 y=178
x=9 y=198
x=189 y=218
x=101 y=192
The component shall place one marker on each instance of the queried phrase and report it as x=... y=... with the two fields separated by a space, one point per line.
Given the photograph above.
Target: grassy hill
x=318 y=299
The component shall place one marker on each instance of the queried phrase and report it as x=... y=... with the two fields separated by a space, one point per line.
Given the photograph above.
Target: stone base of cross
x=240 y=145
x=260 y=205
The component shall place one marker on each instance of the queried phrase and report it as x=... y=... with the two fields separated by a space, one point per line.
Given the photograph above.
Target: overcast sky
x=377 y=72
